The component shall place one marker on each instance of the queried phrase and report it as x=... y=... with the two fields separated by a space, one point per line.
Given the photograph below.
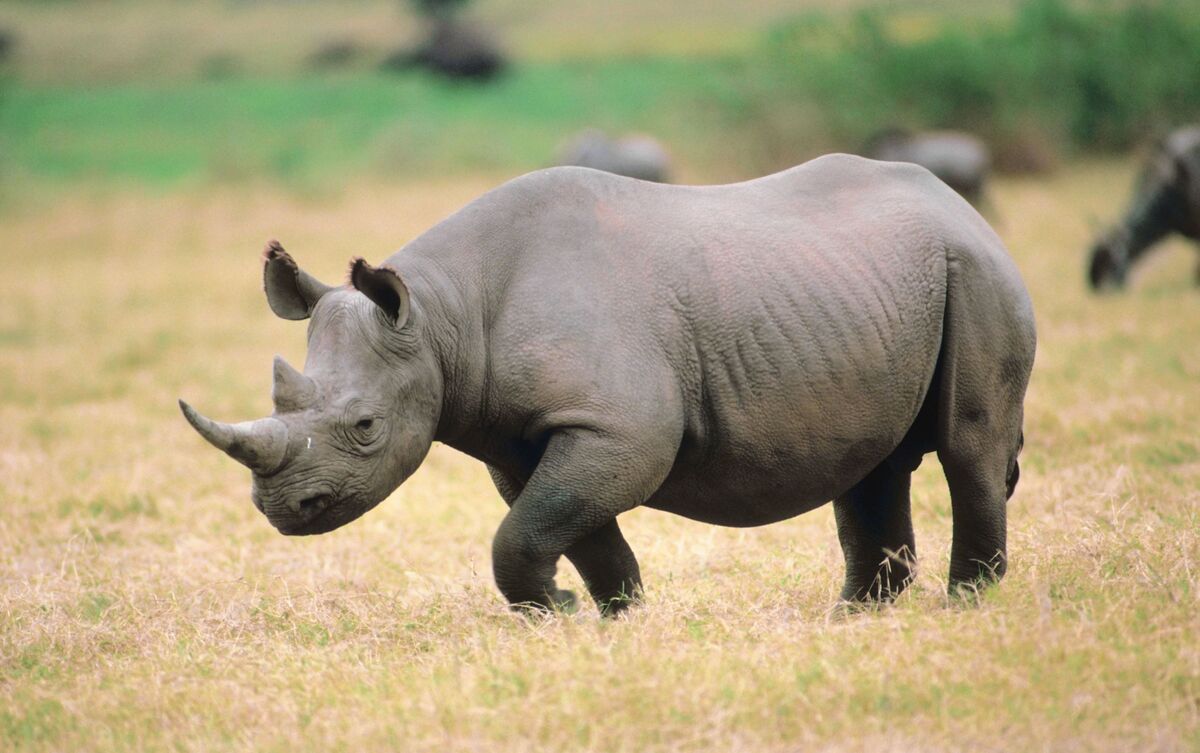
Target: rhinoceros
x=634 y=156
x=959 y=159
x=1166 y=200
x=735 y=354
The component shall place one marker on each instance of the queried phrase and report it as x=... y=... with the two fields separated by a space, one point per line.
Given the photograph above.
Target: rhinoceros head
x=358 y=421
x=1108 y=261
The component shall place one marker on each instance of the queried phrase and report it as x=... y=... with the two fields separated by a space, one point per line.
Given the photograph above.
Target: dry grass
x=144 y=604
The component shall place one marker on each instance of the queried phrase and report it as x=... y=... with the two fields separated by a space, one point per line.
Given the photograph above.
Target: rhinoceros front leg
x=609 y=568
x=874 y=524
x=603 y=558
x=569 y=507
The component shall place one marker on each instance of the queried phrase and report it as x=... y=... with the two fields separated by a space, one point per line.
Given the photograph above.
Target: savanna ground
x=145 y=604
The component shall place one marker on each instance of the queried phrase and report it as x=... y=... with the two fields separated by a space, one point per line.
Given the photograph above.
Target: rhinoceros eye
x=362 y=424
x=366 y=430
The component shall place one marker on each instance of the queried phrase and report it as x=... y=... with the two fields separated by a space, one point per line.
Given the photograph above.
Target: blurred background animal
x=453 y=47
x=960 y=160
x=1166 y=200
x=634 y=156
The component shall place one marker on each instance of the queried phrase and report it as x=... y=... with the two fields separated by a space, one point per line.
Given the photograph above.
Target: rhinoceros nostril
x=309 y=505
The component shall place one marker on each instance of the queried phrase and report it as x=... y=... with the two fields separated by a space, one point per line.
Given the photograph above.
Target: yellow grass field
x=146 y=605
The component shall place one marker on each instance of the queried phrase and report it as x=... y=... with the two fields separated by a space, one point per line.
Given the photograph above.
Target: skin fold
x=735 y=354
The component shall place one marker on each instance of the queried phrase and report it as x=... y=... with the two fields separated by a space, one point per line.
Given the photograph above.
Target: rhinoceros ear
x=383 y=286
x=291 y=292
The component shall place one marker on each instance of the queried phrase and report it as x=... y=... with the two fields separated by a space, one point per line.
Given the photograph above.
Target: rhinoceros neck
x=450 y=288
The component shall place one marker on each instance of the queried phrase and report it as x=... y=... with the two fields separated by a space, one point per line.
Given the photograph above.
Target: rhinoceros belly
x=810 y=378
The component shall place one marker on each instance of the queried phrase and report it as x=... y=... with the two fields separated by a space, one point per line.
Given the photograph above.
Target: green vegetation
x=1047 y=77
x=331 y=126
x=1099 y=76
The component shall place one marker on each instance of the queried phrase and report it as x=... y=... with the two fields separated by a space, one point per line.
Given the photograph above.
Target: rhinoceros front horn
x=259 y=445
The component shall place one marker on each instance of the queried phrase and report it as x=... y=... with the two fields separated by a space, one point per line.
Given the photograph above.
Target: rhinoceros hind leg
x=987 y=355
x=978 y=444
x=982 y=472
x=874 y=524
x=979 y=491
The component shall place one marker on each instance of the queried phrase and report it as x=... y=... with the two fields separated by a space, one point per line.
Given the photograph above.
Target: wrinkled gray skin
x=1166 y=200
x=960 y=160
x=735 y=354
x=639 y=157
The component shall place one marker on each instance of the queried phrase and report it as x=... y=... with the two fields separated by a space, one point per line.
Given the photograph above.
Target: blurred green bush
x=1091 y=76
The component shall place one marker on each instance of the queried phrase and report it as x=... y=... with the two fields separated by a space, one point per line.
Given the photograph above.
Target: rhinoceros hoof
x=565 y=601
x=562 y=602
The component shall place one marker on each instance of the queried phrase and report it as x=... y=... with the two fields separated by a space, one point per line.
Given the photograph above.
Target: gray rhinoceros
x=960 y=160
x=1166 y=200
x=734 y=354
x=635 y=156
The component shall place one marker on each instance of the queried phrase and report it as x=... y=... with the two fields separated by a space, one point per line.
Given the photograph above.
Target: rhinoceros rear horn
x=259 y=445
x=291 y=292
x=384 y=287
x=291 y=390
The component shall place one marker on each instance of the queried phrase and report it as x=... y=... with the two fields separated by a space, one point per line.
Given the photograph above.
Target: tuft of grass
x=35 y=724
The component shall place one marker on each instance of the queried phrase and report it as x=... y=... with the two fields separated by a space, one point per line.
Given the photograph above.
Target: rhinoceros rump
x=735 y=354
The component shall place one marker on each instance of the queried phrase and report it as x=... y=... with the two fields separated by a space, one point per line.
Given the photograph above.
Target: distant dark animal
x=960 y=160
x=336 y=54
x=8 y=43
x=635 y=156
x=454 y=49
x=219 y=66
x=734 y=354
x=1166 y=200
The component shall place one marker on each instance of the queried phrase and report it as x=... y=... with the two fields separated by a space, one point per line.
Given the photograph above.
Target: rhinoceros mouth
x=321 y=522
x=317 y=514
